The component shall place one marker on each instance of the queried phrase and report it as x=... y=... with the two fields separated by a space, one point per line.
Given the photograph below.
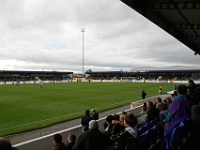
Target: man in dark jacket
x=95 y=115
x=86 y=118
x=92 y=139
x=152 y=112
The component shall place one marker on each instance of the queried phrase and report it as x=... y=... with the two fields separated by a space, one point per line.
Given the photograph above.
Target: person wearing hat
x=109 y=127
x=92 y=139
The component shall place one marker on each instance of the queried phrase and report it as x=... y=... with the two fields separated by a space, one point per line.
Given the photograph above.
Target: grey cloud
x=47 y=34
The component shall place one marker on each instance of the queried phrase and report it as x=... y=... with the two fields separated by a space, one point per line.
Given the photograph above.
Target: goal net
x=128 y=79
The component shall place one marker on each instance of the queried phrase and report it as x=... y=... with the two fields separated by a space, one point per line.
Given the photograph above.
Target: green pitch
x=27 y=107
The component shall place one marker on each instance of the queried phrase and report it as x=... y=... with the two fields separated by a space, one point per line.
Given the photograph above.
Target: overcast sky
x=46 y=34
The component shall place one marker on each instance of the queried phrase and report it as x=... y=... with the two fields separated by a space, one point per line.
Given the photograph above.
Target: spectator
x=129 y=133
x=178 y=110
x=193 y=93
x=175 y=94
x=152 y=112
x=163 y=108
x=191 y=83
x=95 y=115
x=116 y=116
x=57 y=142
x=144 y=108
x=92 y=139
x=167 y=101
x=86 y=118
x=85 y=128
x=158 y=103
x=71 y=141
x=5 y=144
x=121 y=116
x=108 y=129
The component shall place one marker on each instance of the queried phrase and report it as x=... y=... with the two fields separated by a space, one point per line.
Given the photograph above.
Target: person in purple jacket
x=177 y=111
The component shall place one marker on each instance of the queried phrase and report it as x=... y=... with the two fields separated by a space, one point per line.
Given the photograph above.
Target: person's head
x=130 y=120
x=144 y=104
x=116 y=116
x=93 y=111
x=168 y=99
x=71 y=138
x=182 y=89
x=175 y=93
x=121 y=117
x=191 y=82
x=149 y=104
x=85 y=128
x=5 y=144
x=172 y=96
x=158 y=100
x=57 y=138
x=109 y=119
x=93 y=124
x=87 y=112
x=124 y=113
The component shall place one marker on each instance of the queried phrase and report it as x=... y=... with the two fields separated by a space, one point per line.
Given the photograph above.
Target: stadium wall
x=84 y=80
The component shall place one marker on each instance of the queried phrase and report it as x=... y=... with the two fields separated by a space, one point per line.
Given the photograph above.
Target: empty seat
x=142 y=139
x=141 y=130
x=132 y=146
x=174 y=138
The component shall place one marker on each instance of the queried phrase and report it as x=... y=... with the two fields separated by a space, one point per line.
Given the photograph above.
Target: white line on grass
x=60 y=116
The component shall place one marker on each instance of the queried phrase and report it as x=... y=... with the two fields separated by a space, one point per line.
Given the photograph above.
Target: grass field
x=27 y=107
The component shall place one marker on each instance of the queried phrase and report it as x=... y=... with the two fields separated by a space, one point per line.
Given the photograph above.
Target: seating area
x=148 y=139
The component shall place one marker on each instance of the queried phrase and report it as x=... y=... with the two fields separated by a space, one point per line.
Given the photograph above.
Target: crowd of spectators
x=170 y=111
x=30 y=78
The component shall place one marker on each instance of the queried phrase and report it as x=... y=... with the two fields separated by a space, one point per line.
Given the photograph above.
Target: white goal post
x=127 y=79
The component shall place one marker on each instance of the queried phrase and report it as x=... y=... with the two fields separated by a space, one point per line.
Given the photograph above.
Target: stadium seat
x=141 y=130
x=147 y=126
x=151 y=137
x=152 y=123
x=142 y=139
x=187 y=123
x=177 y=136
x=132 y=146
x=174 y=137
x=167 y=139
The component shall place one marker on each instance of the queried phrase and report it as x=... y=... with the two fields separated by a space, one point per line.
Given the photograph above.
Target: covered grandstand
x=13 y=76
x=148 y=75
